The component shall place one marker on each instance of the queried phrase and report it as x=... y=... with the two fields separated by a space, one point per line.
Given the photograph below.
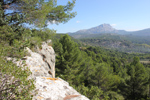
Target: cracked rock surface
x=57 y=89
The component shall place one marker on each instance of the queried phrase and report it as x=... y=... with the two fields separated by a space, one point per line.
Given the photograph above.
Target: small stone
x=37 y=74
x=44 y=87
x=65 y=87
x=48 y=99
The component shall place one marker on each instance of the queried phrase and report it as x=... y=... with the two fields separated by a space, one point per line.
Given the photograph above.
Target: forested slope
x=124 y=43
x=99 y=73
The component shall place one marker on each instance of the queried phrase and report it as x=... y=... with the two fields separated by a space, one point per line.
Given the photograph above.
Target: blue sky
x=129 y=15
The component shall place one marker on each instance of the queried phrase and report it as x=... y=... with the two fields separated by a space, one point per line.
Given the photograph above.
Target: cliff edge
x=42 y=65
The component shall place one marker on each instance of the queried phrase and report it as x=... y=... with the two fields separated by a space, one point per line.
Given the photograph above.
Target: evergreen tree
x=87 y=70
x=103 y=77
x=136 y=86
x=37 y=12
x=68 y=59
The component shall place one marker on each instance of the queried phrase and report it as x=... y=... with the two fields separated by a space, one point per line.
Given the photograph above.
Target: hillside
x=144 y=32
x=95 y=67
x=108 y=37
x=122 y=43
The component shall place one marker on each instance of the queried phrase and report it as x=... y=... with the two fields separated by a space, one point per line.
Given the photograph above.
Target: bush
x=14 y=84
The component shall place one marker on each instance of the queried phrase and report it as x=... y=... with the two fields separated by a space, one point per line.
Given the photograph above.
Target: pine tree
x=37 y=12
x=68 y=59
x=136 y=86
x=104 y=78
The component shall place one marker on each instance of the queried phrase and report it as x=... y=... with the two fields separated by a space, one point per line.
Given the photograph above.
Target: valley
x=106 y=36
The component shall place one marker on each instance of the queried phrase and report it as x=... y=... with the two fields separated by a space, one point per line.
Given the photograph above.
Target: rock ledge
x=42 y=66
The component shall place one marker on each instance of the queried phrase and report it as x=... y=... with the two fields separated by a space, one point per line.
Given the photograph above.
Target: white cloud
x=78 y=21
x=113 y=25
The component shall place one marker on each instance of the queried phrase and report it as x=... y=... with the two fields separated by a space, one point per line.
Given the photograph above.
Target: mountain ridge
x=107 y=28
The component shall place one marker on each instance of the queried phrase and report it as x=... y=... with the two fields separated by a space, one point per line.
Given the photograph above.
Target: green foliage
x=12 y=44
x=20 y=86
x=14 y=38
x=123 y=43
x=68 y=58
x=104 y=78
x=40 y=13
x=15 y=42
x=102 y=74
x=96 y=72
x=136 y=86
x=93 y=93
x=85 y=66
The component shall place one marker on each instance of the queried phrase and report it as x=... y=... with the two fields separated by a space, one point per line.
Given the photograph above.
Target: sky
x=129 y=15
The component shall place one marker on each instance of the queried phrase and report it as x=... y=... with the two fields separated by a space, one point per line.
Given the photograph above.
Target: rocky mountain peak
x=105 y=25
x=103 y=28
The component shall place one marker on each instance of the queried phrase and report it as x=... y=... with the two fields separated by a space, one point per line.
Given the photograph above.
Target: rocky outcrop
x=48 y=54
x=42 y=66
x=37 y=65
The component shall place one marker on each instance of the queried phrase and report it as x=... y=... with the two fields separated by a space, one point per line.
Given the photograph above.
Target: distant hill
x=107 y=29
x=144 y=32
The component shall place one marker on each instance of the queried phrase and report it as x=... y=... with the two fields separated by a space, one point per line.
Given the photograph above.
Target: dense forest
x=123 y=43
x=101 y=73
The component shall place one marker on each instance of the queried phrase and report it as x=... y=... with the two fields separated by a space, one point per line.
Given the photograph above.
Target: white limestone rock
x=55 y=90
x=47 y=86
x=49 y=56
x=37 y=65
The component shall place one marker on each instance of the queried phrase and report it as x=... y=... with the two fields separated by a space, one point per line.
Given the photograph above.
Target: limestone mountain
x=103 y=28
x=107 y=29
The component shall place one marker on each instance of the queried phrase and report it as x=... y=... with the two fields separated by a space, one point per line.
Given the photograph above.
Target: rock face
x=48 y=55
x=42 y=66
x=37 y=65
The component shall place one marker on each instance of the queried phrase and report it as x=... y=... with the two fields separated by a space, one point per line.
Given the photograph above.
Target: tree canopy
x=37 y=12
